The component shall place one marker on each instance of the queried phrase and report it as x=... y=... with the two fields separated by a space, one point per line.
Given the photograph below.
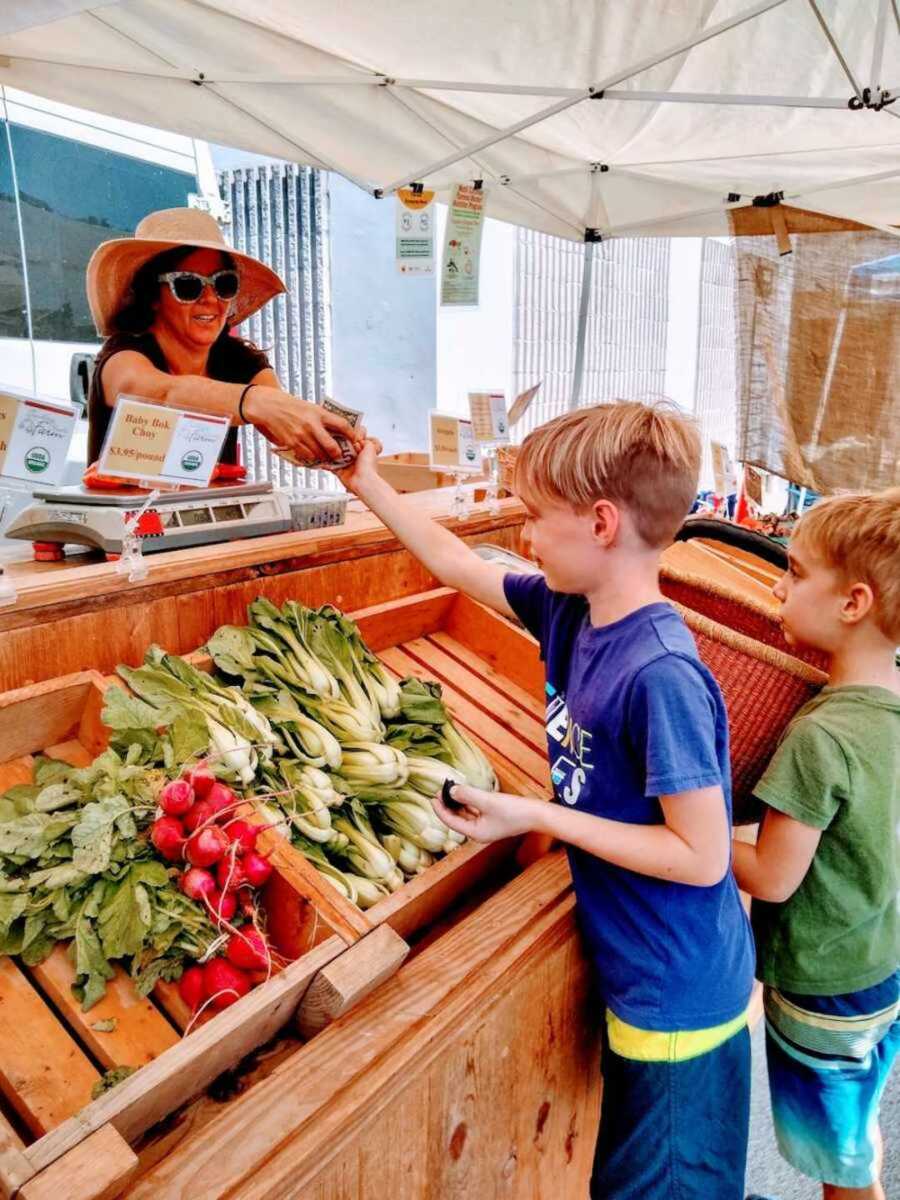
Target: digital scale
x=74 y=515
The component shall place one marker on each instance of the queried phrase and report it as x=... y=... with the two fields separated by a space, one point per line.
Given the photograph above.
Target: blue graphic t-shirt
x=632 y=715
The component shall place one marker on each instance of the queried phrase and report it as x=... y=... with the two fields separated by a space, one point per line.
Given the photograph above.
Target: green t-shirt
x=838 y=770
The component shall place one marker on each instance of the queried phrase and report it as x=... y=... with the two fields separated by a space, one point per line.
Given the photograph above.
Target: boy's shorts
x=674 y=1114
x=829 y=1059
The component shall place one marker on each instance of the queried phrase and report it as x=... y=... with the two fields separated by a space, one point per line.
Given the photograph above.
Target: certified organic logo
x=37 y=460
x=192 y=460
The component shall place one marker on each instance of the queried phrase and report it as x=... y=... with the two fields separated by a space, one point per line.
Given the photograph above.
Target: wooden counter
x=80 y=613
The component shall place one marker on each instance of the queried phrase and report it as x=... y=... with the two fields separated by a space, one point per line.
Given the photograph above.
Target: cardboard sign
x=753 y=485
x=161 y=445
x=451 y=445
x=490 y=423
x=723 y=473
x=522 y=403
x=461 y=260
x=35 y=435
x=415 y=232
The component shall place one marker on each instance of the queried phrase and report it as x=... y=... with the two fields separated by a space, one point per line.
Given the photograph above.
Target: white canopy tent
x=585 y=118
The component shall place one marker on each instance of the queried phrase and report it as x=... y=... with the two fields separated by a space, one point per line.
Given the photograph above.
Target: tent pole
x=501 y=135
x=845 y=66
x=878 y=45
x=584 y=306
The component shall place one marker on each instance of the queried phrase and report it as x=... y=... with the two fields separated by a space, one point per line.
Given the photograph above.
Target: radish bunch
x=222 y=869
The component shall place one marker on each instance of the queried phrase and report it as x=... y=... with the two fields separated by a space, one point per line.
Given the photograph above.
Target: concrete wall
x=384 y=343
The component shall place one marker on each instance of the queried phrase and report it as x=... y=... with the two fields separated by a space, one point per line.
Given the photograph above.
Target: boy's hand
x=488 y=816
x=363 y=469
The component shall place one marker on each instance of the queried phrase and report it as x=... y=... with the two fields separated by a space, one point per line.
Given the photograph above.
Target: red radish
x=223 y=905
x=221 y=798
x=224 y=983
x=245 y=899
x=167 y=835
x=256 y=869
x=244 y=834
x=200 y=777
x=198 y=815
x=248 y=950
x=205 y=847
x=230 y=874
x=176 y=798
x=197 y=883
x=191 y=988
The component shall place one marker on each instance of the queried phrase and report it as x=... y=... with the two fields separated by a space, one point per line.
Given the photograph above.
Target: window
x=73 y=197
x=12 y=288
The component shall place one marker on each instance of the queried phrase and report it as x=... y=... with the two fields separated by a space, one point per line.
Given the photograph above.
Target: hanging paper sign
x=461 y=259
x=35 y=435
x=415 y=232
x=753 y=485
x=489 y=420
x=522 y=403
x=451 y=445
x=161 y=445
x=723 y=474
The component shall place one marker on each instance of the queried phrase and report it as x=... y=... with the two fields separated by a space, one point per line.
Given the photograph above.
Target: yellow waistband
x=652 y=1045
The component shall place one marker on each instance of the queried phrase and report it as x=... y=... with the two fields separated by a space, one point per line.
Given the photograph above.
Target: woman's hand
x=489 y=816
x=304 y=428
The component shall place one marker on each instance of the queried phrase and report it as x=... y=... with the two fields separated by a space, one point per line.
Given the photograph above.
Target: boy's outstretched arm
x=691 y=847
x=775 y=867
x=445 y=555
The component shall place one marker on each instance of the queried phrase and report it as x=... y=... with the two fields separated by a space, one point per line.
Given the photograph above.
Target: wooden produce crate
x=50 y=1054
x=410 y=472
x=493 y=684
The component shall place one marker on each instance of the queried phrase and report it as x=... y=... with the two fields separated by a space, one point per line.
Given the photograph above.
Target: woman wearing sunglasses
x=166 y=301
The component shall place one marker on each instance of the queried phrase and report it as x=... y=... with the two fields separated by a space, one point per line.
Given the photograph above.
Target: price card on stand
x=35 y=435
x=451 y=445
x=489 y=420
x=162 y=446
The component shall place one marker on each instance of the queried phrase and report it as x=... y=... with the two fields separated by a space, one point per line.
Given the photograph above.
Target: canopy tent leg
x=587 y=280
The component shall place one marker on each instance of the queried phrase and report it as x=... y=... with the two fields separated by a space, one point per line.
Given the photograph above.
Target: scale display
x=75 y=516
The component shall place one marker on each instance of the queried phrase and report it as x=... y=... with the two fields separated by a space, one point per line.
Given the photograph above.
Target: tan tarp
x=818 y=349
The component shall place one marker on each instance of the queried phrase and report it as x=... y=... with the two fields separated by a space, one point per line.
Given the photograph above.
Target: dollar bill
x=348 y=453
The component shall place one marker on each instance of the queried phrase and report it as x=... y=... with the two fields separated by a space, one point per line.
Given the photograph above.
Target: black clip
x=417 y=188
x=200 y=80
x=732 y=197
x=479 y=184
x=593 y=235
x=446 y=797
x=872 y=98
x=768 y=201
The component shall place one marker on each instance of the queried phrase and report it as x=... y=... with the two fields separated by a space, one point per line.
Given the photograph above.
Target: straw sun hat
x=114 y=264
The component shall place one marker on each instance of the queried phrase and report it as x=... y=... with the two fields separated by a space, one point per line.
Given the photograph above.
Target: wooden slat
x=425 y=898
x=489 y=698
x=506 y=647
x=16 y=771
x=390 y=1035
x=396 y=621
x=15 y=1168
x=531 y=761
x=141 y=1032
x=70 y=751
x=496 y=679
x=98 y=1169
x=186 y=1069
x=43 y=1073
x=352 y=976
x=37 y=716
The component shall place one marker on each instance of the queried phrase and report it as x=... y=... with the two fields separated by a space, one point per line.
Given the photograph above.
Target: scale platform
x=75 y=516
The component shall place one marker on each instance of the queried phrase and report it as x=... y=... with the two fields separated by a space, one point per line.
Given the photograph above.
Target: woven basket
x=734 y=609
x=763 y=688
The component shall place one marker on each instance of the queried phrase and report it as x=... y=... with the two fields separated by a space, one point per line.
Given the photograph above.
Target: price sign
x=35 y=435
x=489 y=420
x=451 y=445
x=161 y=445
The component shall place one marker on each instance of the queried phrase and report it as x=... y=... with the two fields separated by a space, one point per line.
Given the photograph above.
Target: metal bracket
x=200 y=80
x=596 y=93
x=593 y=235
x=873 y=98
x=598 y=166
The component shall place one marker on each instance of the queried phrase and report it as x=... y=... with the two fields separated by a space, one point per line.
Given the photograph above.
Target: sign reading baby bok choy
x=158 y=445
